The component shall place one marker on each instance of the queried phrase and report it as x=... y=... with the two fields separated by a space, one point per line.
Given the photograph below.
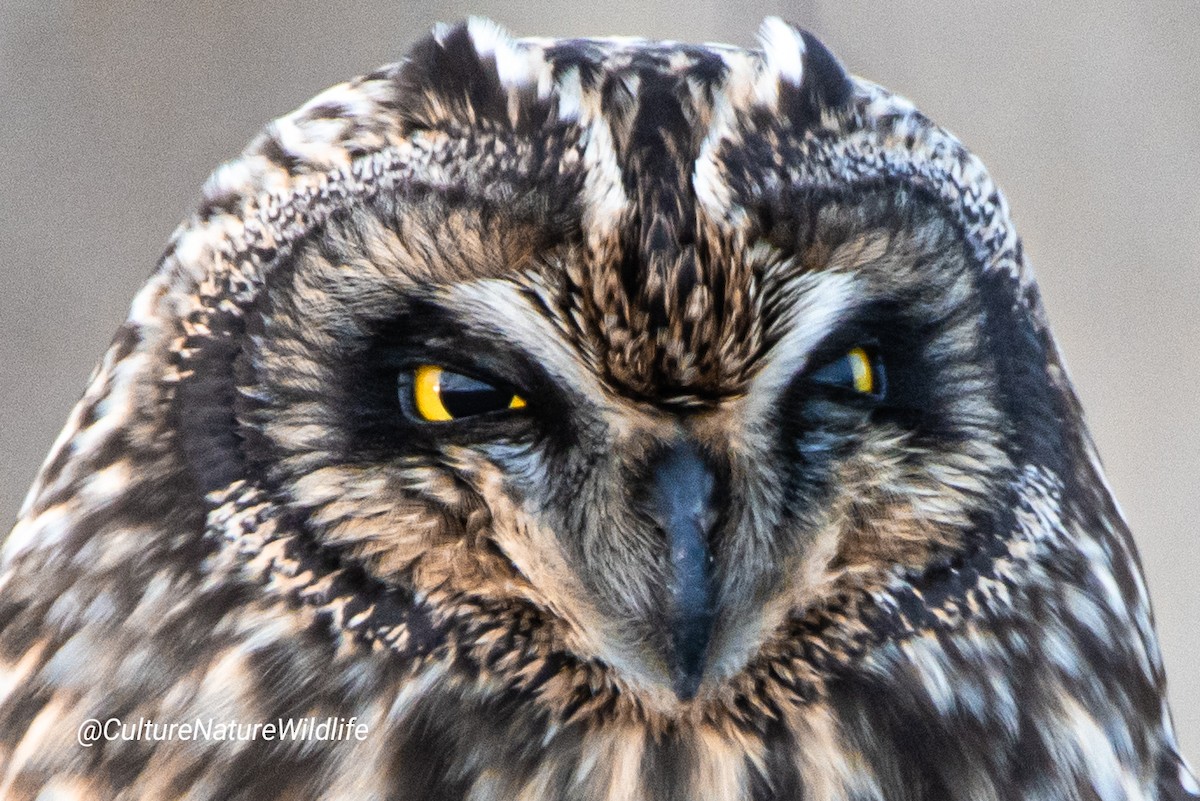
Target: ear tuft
x=444 y=79
x=808 y=80
x=471 y=72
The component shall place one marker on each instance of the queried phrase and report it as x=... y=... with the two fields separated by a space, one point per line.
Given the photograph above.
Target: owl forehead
x=659 y=158
x=640 y=136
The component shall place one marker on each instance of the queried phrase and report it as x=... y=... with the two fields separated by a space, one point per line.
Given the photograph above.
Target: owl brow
x=823 y=303
x=429 y=331
x=498 y=308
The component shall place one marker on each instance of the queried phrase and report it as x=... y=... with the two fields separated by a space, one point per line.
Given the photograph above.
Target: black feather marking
x=824 y=86
x=204 y=404
x=1171 y=773
x=448 y=69
x=779 y=777
x=274 y=151
x=824 y=75
x=581 y=54
x=1021 y=351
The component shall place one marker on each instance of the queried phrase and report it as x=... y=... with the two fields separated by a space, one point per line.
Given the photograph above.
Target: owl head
x=689 y=367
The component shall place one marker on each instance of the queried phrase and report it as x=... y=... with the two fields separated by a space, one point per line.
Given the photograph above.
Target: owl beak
x=682 y=506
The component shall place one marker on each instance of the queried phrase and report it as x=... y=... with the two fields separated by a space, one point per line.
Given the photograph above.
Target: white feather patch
x=824 y=299
x=513 y=66
x=783 y=49
x=1188 y=781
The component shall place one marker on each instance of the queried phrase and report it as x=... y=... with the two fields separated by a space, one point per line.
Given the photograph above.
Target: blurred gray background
x=112 y=114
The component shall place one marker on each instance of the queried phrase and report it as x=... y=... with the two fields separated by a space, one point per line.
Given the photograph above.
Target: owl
x=585 y=419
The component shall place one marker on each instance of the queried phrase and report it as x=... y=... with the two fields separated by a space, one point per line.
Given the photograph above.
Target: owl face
x=589 y=419
x=609 y=354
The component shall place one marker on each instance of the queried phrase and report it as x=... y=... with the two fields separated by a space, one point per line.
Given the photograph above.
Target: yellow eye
x=857 y=370
x=864 y=374
x=439 y=395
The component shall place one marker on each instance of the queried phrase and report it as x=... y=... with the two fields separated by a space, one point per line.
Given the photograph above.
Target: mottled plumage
x=695 y=561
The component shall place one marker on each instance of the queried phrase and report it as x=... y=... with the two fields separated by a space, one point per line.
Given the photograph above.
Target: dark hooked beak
x=682 y=506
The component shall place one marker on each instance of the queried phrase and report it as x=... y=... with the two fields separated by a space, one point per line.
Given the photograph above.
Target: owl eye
x=435 y=394
x=858 y=370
